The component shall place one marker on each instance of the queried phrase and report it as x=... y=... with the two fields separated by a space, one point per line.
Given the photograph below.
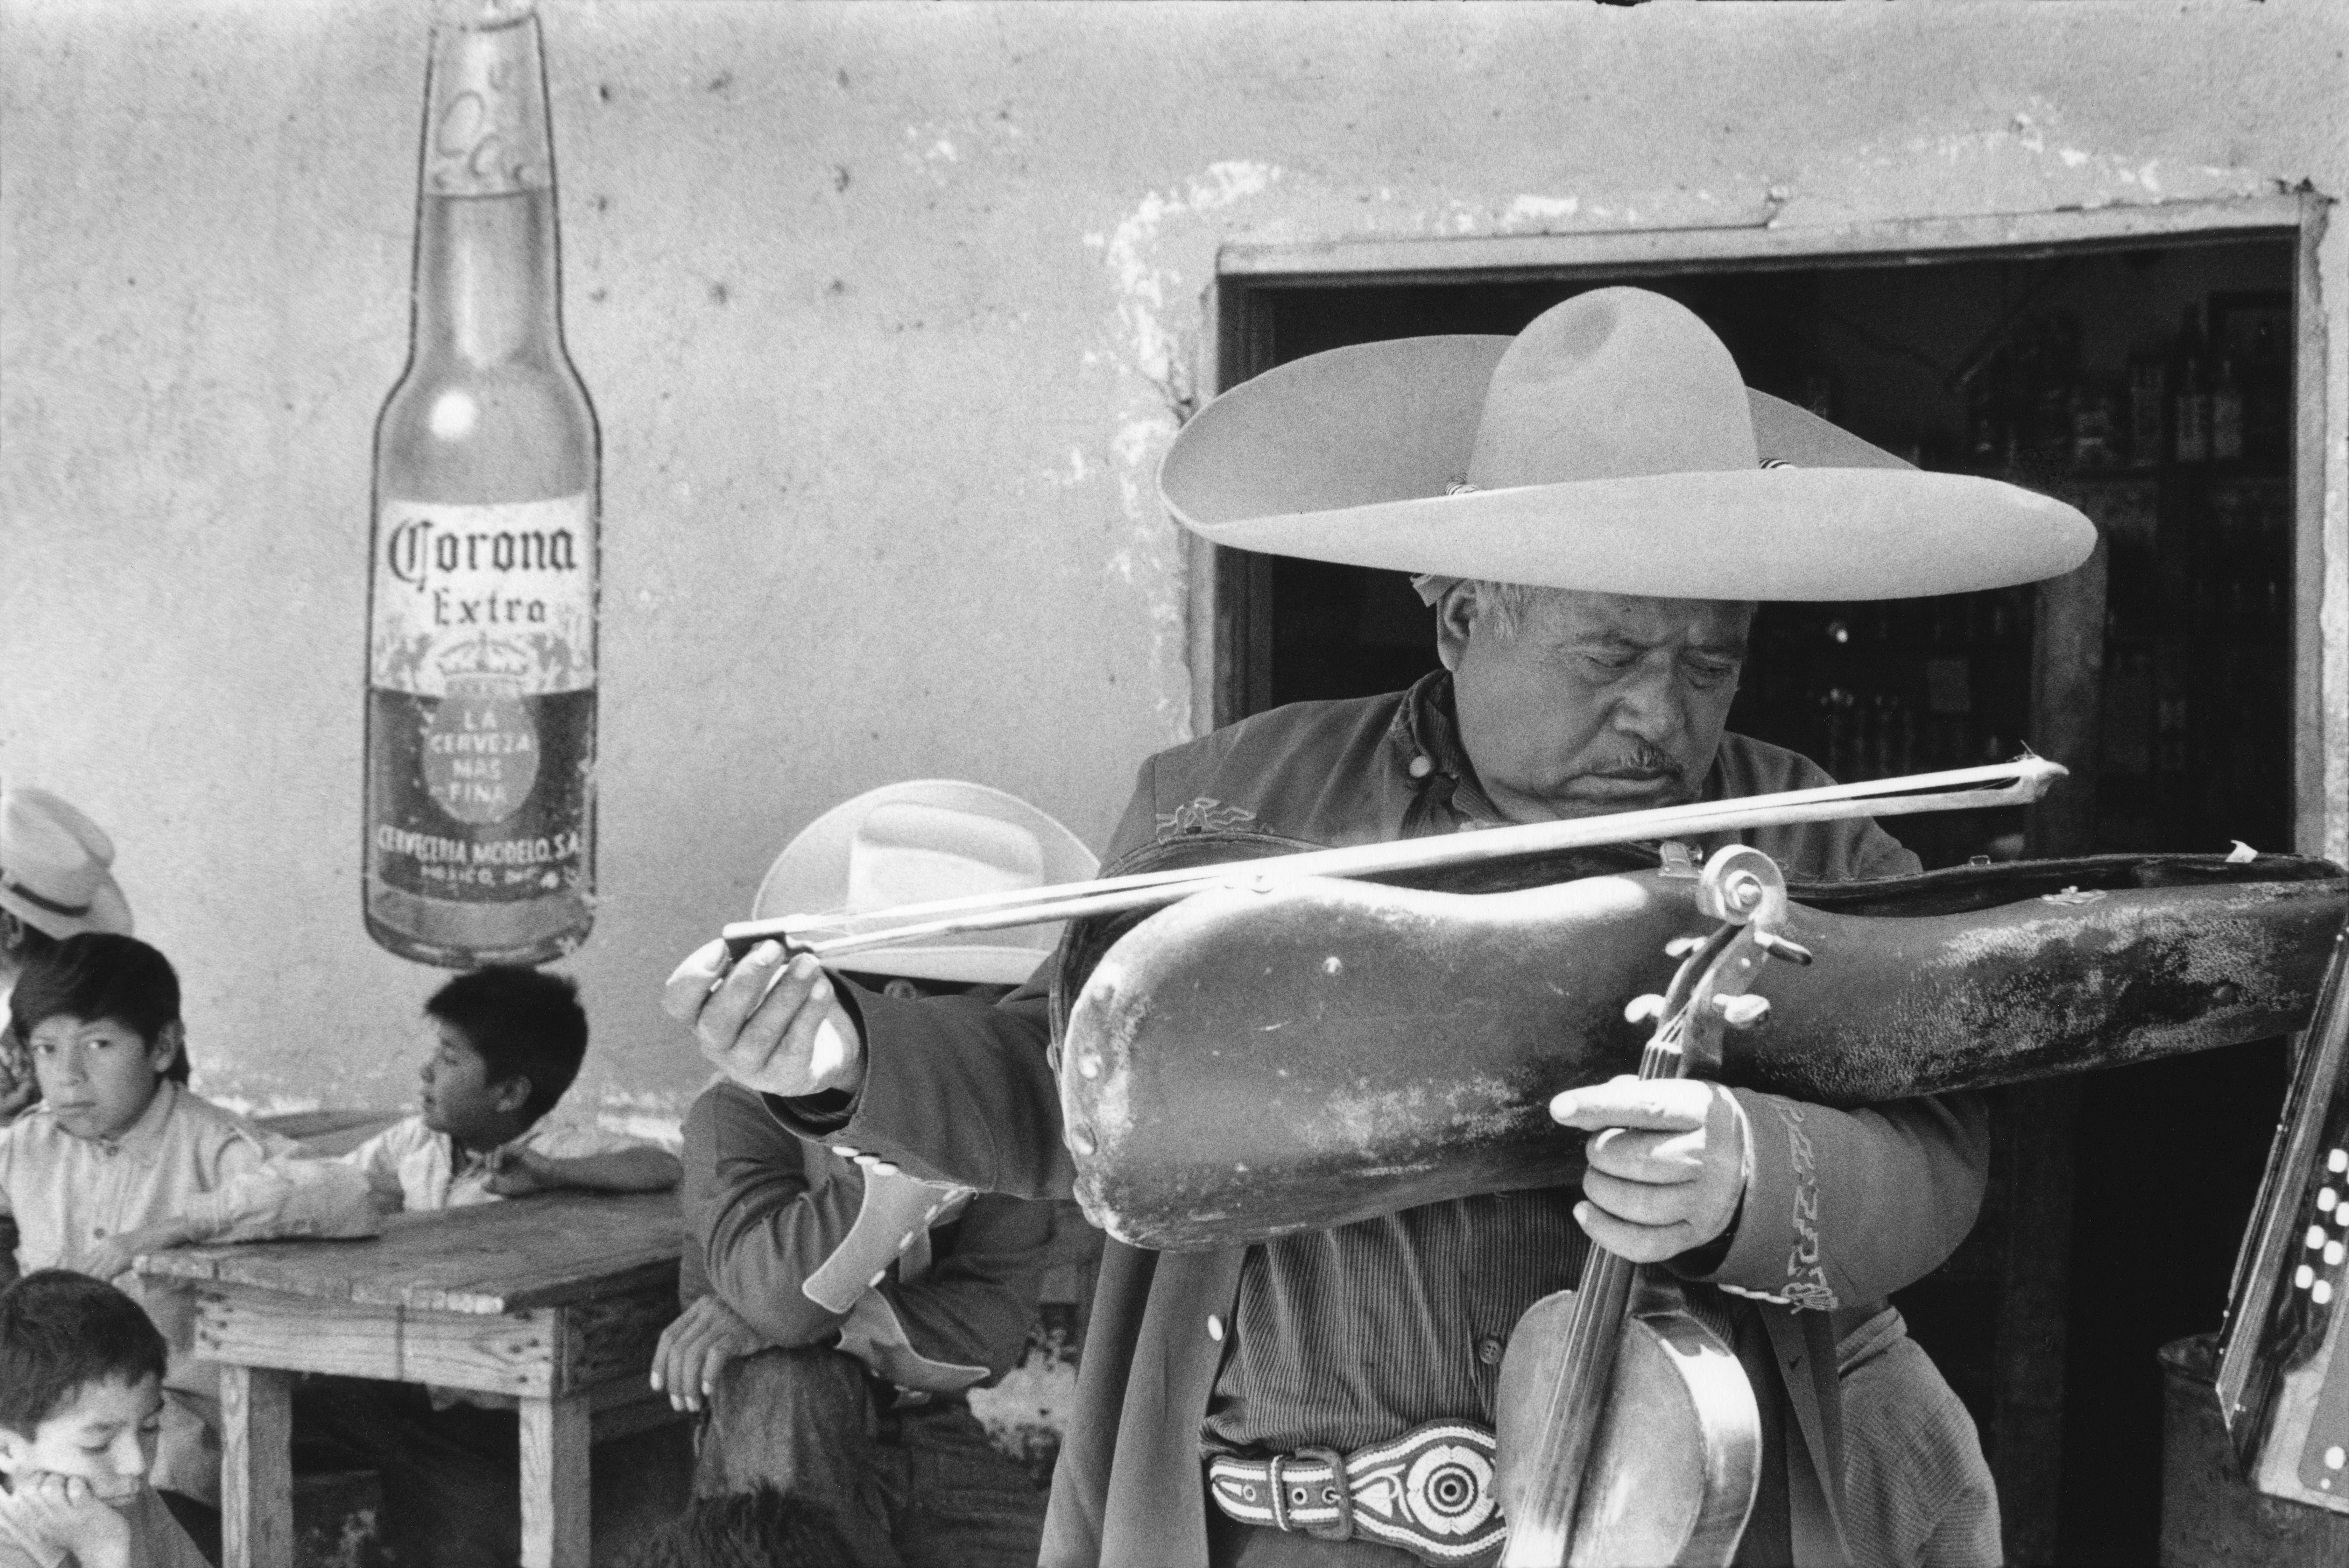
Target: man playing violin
x=1592 y=508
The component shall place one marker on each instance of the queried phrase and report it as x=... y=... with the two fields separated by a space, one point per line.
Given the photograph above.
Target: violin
x=1630 y=1434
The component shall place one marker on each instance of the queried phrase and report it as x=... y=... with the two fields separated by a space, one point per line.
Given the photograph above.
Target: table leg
x=555 y=1493
x=256 y=1467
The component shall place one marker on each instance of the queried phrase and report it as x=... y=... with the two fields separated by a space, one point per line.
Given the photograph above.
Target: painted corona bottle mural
x=481 y=713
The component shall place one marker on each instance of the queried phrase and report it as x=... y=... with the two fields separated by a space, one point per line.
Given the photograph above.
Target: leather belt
x=1429 y=1491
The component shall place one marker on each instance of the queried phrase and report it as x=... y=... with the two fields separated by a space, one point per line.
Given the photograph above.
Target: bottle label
x=466 y=592
x=482 y=659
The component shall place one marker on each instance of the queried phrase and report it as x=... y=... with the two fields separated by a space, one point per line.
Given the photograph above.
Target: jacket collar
x=1424 y=741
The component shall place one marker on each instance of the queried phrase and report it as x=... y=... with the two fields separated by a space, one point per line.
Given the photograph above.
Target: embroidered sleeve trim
x=1203 y=815
x=1807 y=1278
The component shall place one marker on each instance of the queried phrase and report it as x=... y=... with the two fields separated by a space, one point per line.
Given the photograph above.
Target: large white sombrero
x=924 y=840
x=54 y=867
x=1612 y=446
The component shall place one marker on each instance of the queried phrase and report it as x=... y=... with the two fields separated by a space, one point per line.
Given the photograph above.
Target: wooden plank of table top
x=552 y=1250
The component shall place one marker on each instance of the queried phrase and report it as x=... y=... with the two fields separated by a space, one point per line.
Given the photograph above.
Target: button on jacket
x=1840 y=1208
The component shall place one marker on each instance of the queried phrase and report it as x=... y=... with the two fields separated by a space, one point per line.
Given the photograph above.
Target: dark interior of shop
x=2150 y=388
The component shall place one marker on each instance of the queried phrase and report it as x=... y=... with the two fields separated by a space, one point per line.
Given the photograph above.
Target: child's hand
x=65 y=1515
x=112 y=1257
x=695 y=1349
x=516 y=1173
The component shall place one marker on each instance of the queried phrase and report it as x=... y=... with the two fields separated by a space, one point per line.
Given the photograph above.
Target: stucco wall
x=885 y=311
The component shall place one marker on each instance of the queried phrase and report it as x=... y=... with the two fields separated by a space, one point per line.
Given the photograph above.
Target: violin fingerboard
x=2283 y=1373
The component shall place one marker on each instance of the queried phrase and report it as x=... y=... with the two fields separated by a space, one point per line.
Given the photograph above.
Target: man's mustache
x=1642 y=762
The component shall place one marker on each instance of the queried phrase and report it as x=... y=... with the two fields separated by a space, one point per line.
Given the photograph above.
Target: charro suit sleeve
x=1845 y=1206
x=960 y=1092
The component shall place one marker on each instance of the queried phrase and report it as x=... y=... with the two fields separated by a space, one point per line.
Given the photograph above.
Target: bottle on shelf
x=2189 y=395
x=2226 y=412
x=481 y=712
x=2148 y=400
x=1988 y=413
x=2267 y=397
x=2055 y=391
x=2095 y=429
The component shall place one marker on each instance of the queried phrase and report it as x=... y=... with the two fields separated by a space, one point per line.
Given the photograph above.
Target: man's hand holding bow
x=774 y=1027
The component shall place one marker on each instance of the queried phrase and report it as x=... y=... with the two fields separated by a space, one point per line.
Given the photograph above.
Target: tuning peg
x=1644 y=1009
x=1682 y=946
x=1743 y=1012
x=1779 y=947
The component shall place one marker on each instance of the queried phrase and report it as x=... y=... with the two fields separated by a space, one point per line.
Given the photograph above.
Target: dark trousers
x=917 y=1488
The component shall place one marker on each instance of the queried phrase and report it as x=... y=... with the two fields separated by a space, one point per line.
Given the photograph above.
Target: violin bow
x=835 y=936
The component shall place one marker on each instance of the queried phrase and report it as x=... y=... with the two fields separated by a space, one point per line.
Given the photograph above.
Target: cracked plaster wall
x=887 y=312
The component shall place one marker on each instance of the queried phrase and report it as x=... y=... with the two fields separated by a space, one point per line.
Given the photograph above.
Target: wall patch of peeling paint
x=1160 y=357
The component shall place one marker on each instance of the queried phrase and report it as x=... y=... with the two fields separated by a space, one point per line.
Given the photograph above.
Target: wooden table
x=554 y=1301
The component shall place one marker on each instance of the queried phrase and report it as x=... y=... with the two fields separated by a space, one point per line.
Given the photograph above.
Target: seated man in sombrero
x=1592 y=508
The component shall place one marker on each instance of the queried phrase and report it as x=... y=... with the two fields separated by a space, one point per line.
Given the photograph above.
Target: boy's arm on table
x=1843 y=1207
x=260 y=1187
x=379 y=1160
x=590 y=1161
x=264 y=1186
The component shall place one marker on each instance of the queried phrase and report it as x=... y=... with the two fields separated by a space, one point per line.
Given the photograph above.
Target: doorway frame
x=1230 y=650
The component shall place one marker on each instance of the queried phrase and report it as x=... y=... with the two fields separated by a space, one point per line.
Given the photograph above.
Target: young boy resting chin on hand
x=506 y=1043
x=120 y=1158
x=81 y=1408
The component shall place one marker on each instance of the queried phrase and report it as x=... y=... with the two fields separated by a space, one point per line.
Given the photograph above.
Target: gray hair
x=1502 y=605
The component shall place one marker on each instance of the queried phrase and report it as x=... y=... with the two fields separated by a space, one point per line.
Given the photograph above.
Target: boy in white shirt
x=120 y=1158
x=507 y=1042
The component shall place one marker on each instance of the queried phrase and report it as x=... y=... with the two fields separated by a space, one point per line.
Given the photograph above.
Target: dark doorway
x=2099 y=374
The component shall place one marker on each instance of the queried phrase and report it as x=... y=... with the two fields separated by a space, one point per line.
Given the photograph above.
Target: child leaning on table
x=120 y=1158
x=506 y=1042
x=81 y=1409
